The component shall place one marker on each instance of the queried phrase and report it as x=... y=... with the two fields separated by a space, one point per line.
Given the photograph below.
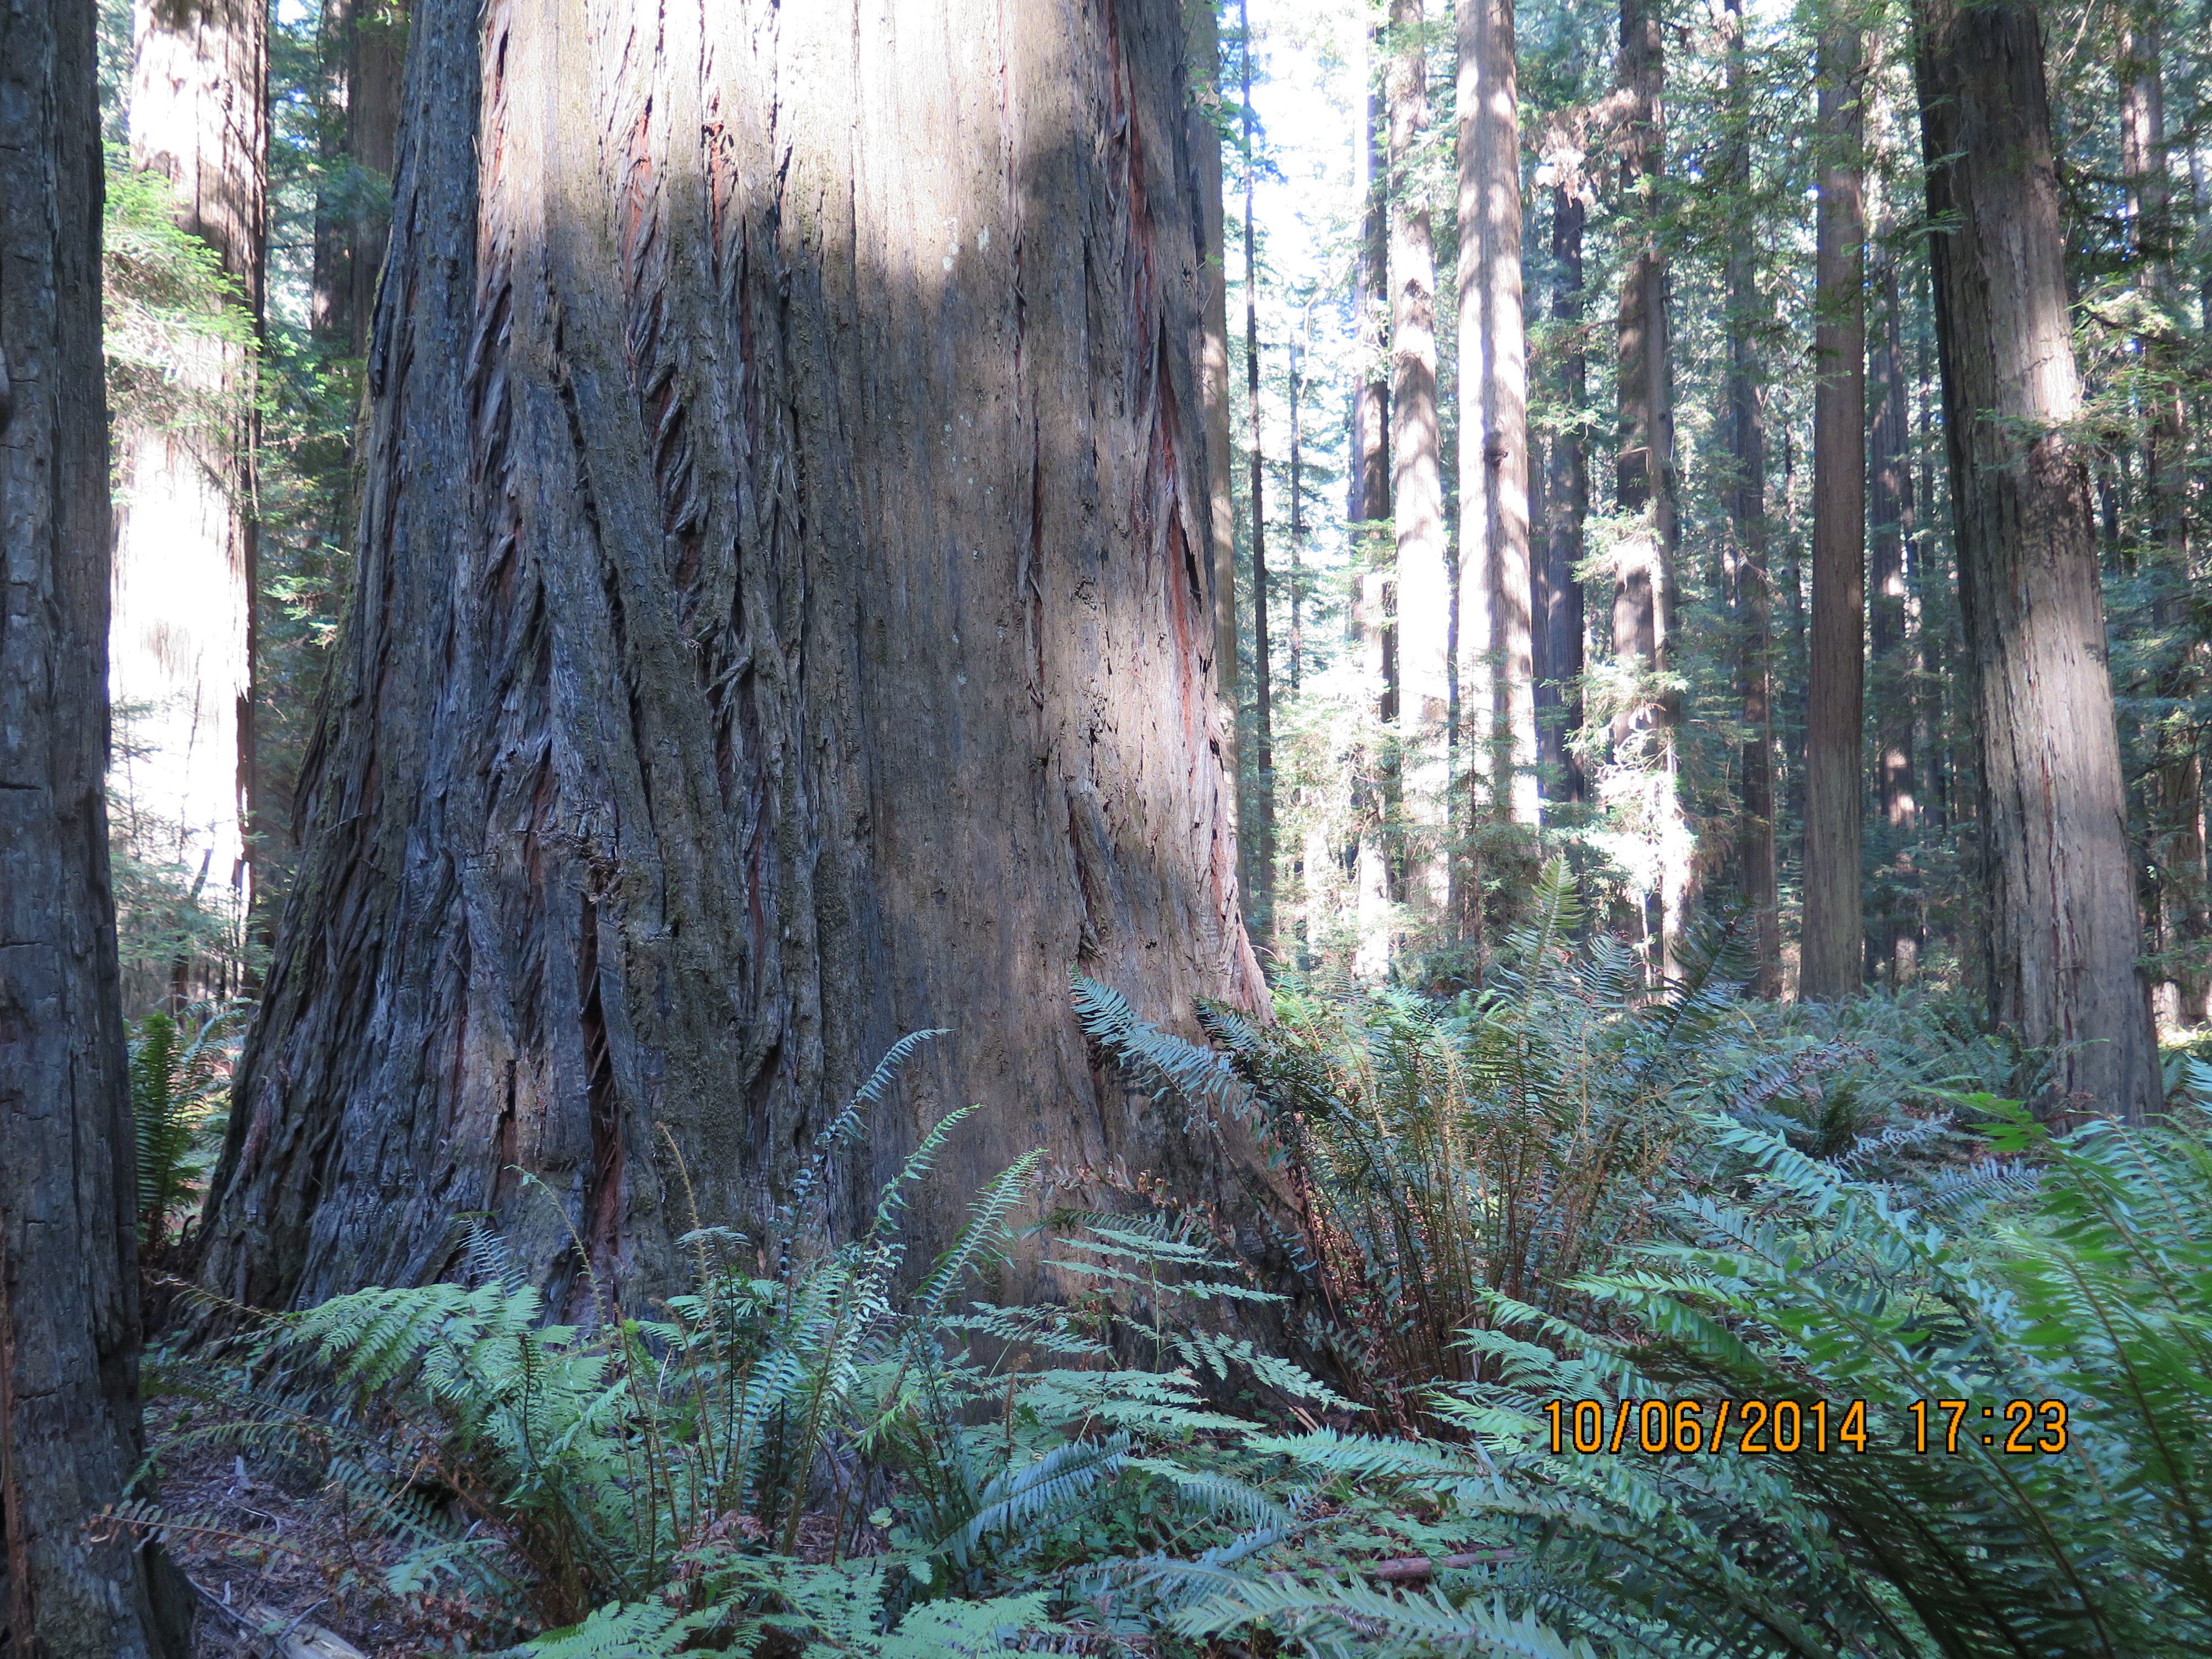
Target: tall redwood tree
x=68 y=1270
x=785 y=619
x=2064 y=933
x=1834 y=950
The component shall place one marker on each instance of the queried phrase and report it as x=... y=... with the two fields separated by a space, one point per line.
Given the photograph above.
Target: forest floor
x=281 y=1566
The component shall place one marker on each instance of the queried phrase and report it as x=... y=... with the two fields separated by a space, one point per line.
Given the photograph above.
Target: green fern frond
x=1298 y=1608
x=849 y=1123
x=639 y=1630
x=1020 y=1503
x=1172 y=1069
x=984 y=1232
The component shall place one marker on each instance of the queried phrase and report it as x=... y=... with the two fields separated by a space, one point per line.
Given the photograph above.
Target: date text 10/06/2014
x=1770 y=1427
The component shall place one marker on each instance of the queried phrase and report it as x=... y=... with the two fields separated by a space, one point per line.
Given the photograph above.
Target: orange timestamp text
x=1786 y=1427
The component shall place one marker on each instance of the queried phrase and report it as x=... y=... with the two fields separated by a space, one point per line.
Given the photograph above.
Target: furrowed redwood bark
x=2064 y=931
x=68 y=1271
x=784 y=620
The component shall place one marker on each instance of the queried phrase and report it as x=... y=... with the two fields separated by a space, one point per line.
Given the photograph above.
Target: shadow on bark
x=782 y=621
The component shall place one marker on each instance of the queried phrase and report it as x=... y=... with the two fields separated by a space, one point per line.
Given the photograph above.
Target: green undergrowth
x=1560 y=1192
x=181 y=1067
x=800 y=1455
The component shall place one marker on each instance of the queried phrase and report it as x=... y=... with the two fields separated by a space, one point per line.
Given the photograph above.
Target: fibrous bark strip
x=785 y=618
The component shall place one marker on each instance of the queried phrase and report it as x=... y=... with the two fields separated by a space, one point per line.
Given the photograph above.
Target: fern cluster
x=2087 y=1288
x=1565 y=1189
x=179 y=1094
x=1438 y=1154
x=798 y=1454
x=1561 y=1190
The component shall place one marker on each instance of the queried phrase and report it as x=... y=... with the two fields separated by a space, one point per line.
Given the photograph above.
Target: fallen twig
x=1399 y=1569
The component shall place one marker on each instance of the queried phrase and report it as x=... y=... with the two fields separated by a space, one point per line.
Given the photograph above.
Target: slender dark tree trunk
x=2062 y=929
x=1297 y=516
x=364 y=54
x=1559 y=622
x=1833 y=960
x=1260 y=905
x=1929 y=571
x=1891 y=526
x=1644 y=586
x=1747 y=508
x=782 y=623
x=69 y=1271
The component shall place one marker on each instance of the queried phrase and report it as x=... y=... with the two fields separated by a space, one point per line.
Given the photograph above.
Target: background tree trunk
x=2063 y=930
x=1417 y=487
x=69 y=1269
x=1754 y=584
x=1297 y=512
x=783 y=621
x=1367 y=499
x=1558 y=637
x=2185 y=908
x=1259 y=885
x=1372 y=616
x=365 y=48
x=1202 y=31
x=1496 y=677
x=1644 y=485
x=182 y=644
x=1891 y=524
x=1833 y=964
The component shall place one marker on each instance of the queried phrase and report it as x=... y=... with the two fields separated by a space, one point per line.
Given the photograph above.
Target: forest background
x=1591 y=567
x=1346 y=868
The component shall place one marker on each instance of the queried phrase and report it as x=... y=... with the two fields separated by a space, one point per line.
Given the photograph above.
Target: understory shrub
x=2076 y=1283
x=1557 y=1213
x=800 y=1455
x=181 y=1067
x=1436 y=1155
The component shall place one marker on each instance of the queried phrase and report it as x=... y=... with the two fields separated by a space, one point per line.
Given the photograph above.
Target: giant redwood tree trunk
x=69 y=1274
x=2063 y=929
x=783 y=621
